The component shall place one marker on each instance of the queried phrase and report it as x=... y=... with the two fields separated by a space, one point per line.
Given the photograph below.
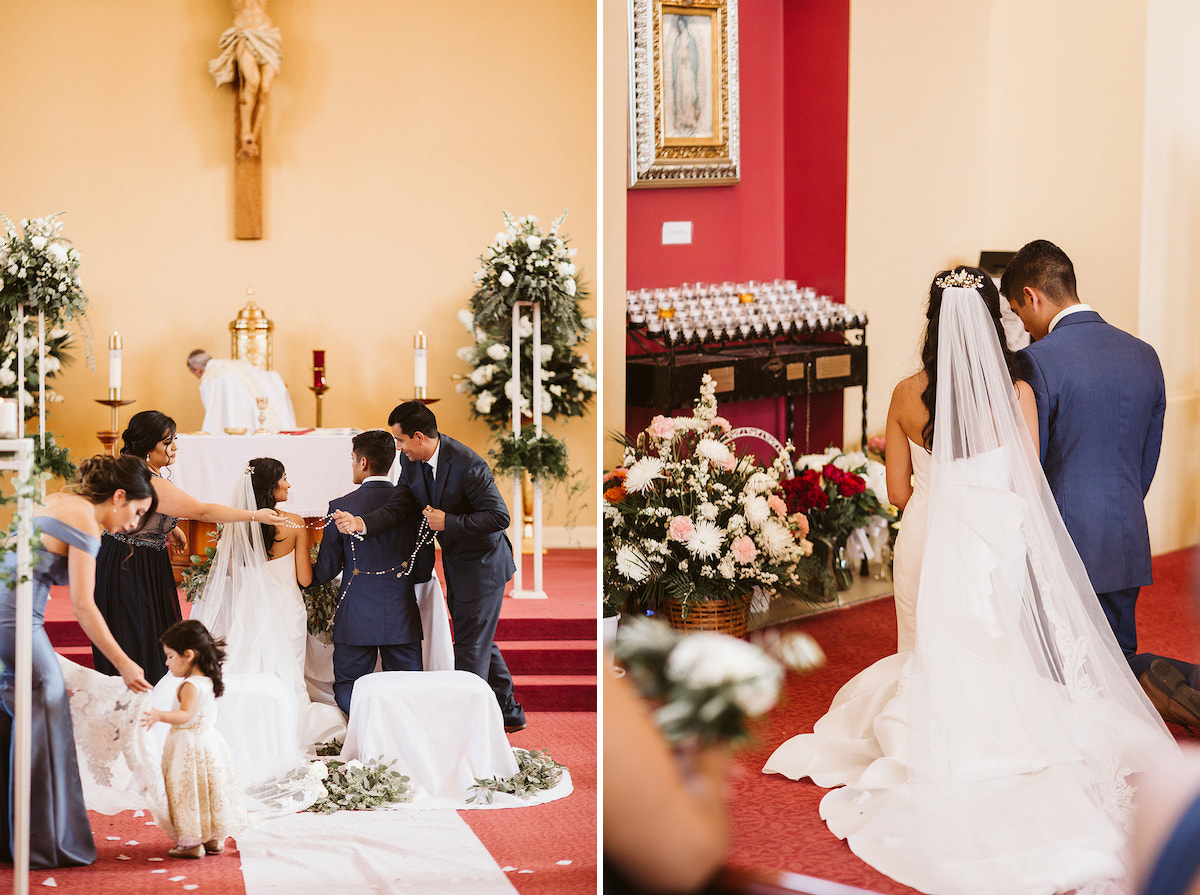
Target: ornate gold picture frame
x=683 y=89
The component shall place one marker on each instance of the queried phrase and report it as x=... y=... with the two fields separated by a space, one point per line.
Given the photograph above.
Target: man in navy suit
x=452 y=487
x=378 y=614
x=1100 y=399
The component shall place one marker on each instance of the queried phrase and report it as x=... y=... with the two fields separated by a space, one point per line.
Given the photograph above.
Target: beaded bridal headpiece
x=959 y=278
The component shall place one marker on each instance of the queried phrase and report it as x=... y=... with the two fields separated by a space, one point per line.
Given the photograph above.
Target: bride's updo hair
x=267 y=473
x=100 y=477
x=189 y=634
x=145 y=430
x=929 y=348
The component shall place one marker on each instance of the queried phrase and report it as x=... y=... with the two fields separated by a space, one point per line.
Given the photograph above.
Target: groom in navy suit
x=1100 y=400
x=452 y=487
x=378 y=614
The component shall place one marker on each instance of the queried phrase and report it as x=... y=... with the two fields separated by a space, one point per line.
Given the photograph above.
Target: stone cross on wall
x=251 y=53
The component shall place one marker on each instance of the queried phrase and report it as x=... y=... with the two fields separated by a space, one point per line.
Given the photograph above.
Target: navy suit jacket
x=376 y=610
x=1100 y=401
x=476 y=554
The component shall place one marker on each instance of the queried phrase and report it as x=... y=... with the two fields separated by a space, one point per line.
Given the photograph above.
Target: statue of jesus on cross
x=251 y=53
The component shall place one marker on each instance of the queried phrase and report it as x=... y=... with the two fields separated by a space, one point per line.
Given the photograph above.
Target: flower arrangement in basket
x=839 y=493
x=688 y=522
x=523 y=264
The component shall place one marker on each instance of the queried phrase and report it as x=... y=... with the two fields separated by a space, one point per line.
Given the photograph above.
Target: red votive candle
x=318 y=369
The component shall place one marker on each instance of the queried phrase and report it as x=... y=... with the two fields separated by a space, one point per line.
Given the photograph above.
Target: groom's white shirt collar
x=376 y=478
x=433 y=461
x=1073 y=309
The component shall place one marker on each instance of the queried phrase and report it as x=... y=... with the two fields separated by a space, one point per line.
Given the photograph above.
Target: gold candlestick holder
x=319 y=391
x=262 y=416
x=109 y=438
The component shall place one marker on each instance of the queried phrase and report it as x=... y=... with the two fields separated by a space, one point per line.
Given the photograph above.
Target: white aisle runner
x=369 y=852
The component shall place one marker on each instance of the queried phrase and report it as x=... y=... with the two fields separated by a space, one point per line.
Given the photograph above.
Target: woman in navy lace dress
x=112 y=494
x=135 y=588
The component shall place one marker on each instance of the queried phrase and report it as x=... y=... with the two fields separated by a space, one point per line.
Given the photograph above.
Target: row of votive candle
x=746 y=310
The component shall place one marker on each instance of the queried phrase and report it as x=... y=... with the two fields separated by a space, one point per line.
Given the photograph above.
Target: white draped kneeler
x=443 y=729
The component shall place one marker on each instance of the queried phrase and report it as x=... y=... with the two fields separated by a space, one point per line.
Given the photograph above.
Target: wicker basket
x=726 y=616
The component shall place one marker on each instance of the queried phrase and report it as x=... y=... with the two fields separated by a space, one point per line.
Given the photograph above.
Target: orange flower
x=615 y=494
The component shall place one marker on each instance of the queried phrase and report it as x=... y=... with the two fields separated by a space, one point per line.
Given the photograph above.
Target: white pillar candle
x=8 y=418
x=420 y=371
x=114 y=361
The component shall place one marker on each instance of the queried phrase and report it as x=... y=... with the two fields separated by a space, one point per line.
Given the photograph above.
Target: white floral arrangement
x=523 y=264
x=568 y=377
x=708 y=685
x=686 y=520
x=40 y=269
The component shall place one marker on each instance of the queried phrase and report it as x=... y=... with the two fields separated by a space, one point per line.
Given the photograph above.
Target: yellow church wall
x=396 y=135
x=985 y=124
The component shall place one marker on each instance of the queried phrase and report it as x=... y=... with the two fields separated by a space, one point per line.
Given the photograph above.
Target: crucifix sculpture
x=251 y=53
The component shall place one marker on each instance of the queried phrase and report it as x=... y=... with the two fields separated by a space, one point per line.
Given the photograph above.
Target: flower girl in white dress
x=204 y=798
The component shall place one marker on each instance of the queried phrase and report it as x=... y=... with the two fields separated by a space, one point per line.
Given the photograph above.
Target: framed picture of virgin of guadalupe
x=683 y=93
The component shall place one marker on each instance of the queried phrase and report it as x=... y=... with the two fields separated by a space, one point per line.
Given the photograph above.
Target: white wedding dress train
x=991 y=754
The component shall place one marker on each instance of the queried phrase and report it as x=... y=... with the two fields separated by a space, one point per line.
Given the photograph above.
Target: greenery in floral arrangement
x=196 y=574
x=686 y=520
x=536 y=771
x=545 y=456
x=40 y=269
x=321 y=602
x=29 y=488
x=329 y=747
x=708 y=685
x=523 y=264
x=53 y=460
x=360 y=786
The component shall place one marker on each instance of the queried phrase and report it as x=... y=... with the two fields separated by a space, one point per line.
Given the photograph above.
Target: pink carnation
x=743 y=549
x=801 y=523
x=731 y=462
x=721 y=423
x=680 y=529
x=777 y=504
x=662 y=427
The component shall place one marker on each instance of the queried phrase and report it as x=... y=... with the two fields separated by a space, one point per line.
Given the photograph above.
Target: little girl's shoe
x=194 y=852
x=214 y=846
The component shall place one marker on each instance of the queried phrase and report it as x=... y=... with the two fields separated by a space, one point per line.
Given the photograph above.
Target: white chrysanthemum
x=484 y=402
x=642 y=473
x=466 y=354
x=38 y=242
x=632 y=564
x=584 y=380
x=506 y=279
x=525 y=327
x=483 y=375
x=547 y=352
x=760 y=483
x=709 y=659
x=851 y=461
x=775 y=538
x=706 y=539
x=510 y=389
x=757 y=509
x=57 y=252
x=497 y=351
x=644 y=635
x=7 y=377
x=713 y=451
x=707 y=510
x=547 y=402
x=466 y=318
x=555 y=390
x=52 y=364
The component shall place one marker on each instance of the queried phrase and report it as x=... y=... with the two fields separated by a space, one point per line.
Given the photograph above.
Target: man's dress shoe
x=1170 y=694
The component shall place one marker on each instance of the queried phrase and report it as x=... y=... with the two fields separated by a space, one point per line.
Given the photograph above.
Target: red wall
x=787 y=216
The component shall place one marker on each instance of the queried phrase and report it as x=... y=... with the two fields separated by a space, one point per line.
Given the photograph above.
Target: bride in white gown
x=252 y=599
x=991 y=754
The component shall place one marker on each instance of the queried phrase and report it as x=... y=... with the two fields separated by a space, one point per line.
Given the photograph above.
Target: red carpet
x=534 y=839
x=775 y=820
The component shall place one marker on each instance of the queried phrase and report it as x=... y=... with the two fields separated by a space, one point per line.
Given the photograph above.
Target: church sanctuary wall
x=984 y=124
x=396 y=135
x=786 y=216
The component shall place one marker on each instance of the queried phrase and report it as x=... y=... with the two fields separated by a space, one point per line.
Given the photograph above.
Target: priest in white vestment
x=230 y=390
